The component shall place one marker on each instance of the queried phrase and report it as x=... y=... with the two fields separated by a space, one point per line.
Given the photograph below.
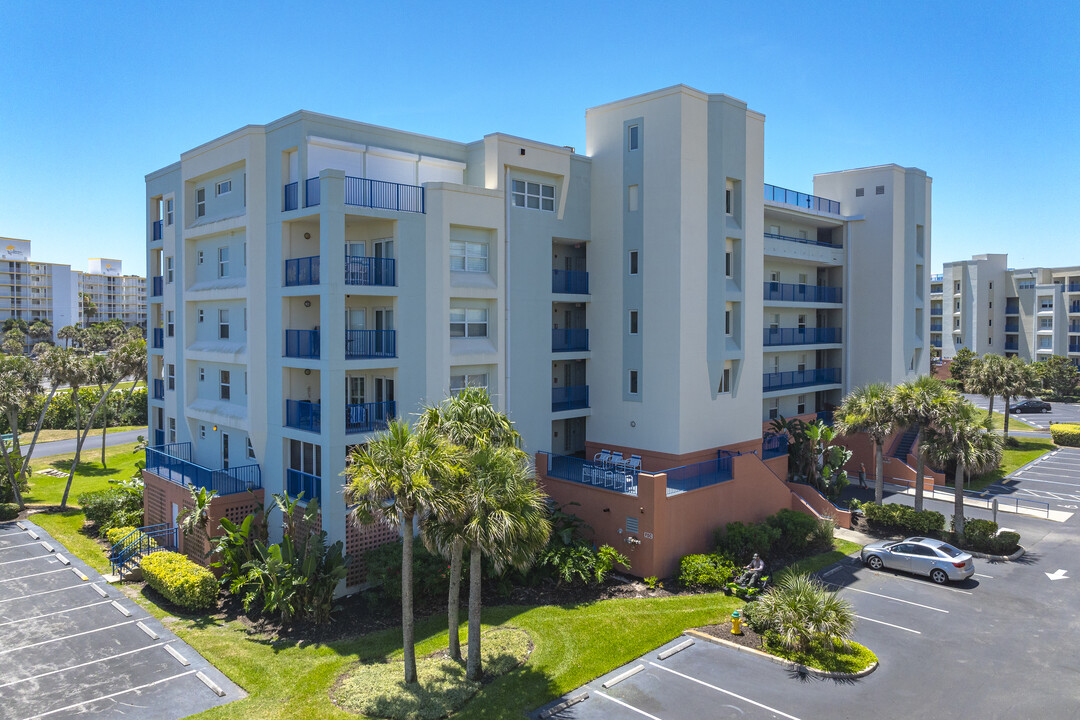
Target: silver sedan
x=920 y=556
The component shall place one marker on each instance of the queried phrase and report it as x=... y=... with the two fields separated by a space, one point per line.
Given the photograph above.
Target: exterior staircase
x=125 y=555
x=907 y=441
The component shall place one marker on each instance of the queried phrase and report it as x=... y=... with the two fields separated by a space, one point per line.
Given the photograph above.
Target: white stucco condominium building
x=988 y=307
x=315 y=276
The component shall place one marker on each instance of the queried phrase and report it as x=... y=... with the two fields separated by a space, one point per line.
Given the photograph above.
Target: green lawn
x=1015 y=423
x=1026 y=450
x=841 y=549
x=66 y=529
x=90 y=476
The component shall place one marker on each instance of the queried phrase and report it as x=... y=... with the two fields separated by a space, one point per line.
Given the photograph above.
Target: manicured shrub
x=1005 y=543
x=1065 y=434
x=9 y=511
x=179 y=580
x=431 y=573
x=579 y=563
x=738 y=542
x=795 y=530
x=705 y=572
x=801 y=612
x=983 y=536
x=118 y=506
x=892 y=517
x=822 y=536
x=115 y=535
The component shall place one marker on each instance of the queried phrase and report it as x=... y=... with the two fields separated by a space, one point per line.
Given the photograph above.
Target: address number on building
x=647 y=536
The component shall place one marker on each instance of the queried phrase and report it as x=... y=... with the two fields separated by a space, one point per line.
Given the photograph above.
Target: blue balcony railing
x=936 y=327
x=791 y=197
x=297 y=482
x=302 y=344
x=790 y=292
x=699 y=475
x=937 y=278
x=1073 y=287
x=158 y=341
x=291 y=201
x=573 y=397
x=586 y=472
x=773 y=446
x=173 y=463
x=157 y=286
x=311 y=192
x=1012 y=308
x=303 y=415
x=805 y=241
x=159 y=389
x=302 y=271
x=801 y=336
x=368 y=417
x=1074 y=347
x=370 y=344
x=370 y=271
x=1074 y=326
x=1074 y=307
x=155 y=230
x=936 y=342
x=1012 y=327
x=799 y=378
x=569 y=339
x=384 y=195
x=575 y=282
x=1009 y=345
x=935 y=312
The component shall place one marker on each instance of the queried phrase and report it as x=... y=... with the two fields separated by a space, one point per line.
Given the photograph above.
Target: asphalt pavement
x=62 y=447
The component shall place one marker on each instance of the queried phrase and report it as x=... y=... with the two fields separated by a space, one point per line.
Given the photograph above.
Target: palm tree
x=393 y=479
x=467 y=420
x=919 y=402
x=194 y=520
x=507 y=522
x=1017 y=378
x=869 y=409
x=20 y=381
x=985 y=378
x=67 y=334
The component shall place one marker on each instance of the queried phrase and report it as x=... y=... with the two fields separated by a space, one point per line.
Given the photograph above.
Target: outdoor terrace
x=173 y=462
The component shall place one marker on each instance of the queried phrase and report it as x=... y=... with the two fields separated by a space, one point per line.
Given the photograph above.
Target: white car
x=920 y=556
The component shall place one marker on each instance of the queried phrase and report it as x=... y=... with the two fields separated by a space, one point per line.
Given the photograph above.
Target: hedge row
x=705 y=572
x=115 y=535
x=9 y=511
x=1065 y=434
x=179 y=580
x=788 y=532
x=983 y=536
x=902 y=519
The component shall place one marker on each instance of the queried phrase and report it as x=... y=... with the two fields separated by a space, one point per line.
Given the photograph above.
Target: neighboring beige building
x=988 y=307
x=652 y=294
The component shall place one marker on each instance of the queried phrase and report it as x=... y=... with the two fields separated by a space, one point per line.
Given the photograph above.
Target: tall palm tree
x=920 y=402
x=507 y=522
x=869 y=409
x=20 y=381
x=985 y=377
x=392 y=478
x=470 y=421
x=67 y=334
x=1017 y=378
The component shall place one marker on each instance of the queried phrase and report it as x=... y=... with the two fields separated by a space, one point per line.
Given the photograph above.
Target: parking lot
x=997 y=646
x=1053 y=478
x=72 y=645
x=1059 y=413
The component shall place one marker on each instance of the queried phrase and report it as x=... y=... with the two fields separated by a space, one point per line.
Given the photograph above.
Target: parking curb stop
x=816 y=672
x=1000 y=558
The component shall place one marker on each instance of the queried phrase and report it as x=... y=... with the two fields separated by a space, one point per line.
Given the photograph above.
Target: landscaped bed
x=850 y=660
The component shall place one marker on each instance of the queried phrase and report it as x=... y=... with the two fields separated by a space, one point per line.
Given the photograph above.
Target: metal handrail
x=805 y=241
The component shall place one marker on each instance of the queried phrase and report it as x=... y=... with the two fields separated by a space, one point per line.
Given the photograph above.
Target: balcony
x=774 y=446
x=291 y=201
x=303 y=415
x=803 y=200
x=799 y=379
x=699 y=475
x=936 y=327
x=360 y=344
x=155 y=230
x=1074 y=327
x=297 y=482
x=311 y=192
x=1074 y=307
x=158 y=340
x=173 y=463
x=1074 y=287
x=573 y=282
x=157 y=286
x=936 y=342
x=368 y=417
x=1012 y=308
x=569 y=340
x=159 y=437
x=302 y=271
x=1074 y=347
x=935 y=311
x=597 y=474
x=1011 y=327
x=302 y=344
x=805 y=241
x=383 y=195
x=1009 y=345
x=790 y=292
x=937 y=278
x=801 y=336
x=574 y=397
x=159 y=389
x=367 y=271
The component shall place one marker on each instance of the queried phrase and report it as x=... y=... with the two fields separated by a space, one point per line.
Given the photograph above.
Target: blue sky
x=985 y=98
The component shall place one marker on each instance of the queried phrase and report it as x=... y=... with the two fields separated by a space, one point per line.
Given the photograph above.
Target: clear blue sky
x=985 y=97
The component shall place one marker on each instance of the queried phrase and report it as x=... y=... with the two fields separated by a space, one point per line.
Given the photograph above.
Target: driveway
x=1059 y=413
x=63 y=447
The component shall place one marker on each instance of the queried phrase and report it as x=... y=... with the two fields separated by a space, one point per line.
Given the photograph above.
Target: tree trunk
x=990 y=412
x=408 y=634
x=104 y=430
x=473 y=669
x=12 y=477
x=37 y=431
x=919 y=480
x=958 y=500
x=1006 y=399
x=453 y=605
x=879 y=465
x=81 y=435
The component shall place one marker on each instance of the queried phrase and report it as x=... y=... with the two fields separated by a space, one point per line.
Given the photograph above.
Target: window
x=468 y=322
x=859 y=192
x=172 y=430
x=727 y=321
x=727 y=263
x=774 y=323
x=632 y=137
x=728 y=200
x=223 y=324
x=225 y=390
x=460 y=382
x=202 y=432
x=468 y=256
x=170 y=376
x=879 y=190
x=169 y=269
x=774 y=276
x=633 y=382
x=168 y=211
x=1046 y=323
x=990 y=341
x=200 y=202
x=802 y=363
x=170 y=327
x=633 y=262
x=957 y=305
x=223 y=261
x=1026 y=285
x=1046 y=342
x=991 y=286
x=802 y=322
x=1046 y=303
x=201 y=315
x=633 y=322
x=725 y=381
x=224 y=187
x=202 y=374
x=534 y=196
x=250 y=450
x=956 y=286
x=200 y=257
x=633 y=197
x=774 y=230
x=774 y=409
x=956 y=322
x=800 y=407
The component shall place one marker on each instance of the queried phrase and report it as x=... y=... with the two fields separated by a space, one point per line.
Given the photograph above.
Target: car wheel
x=1046 y=410
x=875 y=562
x=939 y=576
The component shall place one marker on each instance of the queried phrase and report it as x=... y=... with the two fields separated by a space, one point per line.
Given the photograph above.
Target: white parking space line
x=36 y=557
x=726 y=692
x=920 y=583
x=58 y=612
x=988 y=577
x=12 y=547
x=899 y=600
x=110 y=695
x=1027 y=478
x=65 y=637
x=46 y=592
x=12 y=534
x=882 y=622
x=625 y=705
x=23 y=577
x=74 y=667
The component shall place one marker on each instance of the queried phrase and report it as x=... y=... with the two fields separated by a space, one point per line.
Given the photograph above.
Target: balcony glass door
x=354 y=390
x=384 y=320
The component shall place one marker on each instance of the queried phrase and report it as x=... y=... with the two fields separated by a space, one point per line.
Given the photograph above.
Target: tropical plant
x=869 y=409
x=195 y=519
x=1018 y=378
x=919 y=403
x=961 y=364
x=801 y=613
x=20 y=380
x=985 y=378
x=393 y=479
x=1059 y=376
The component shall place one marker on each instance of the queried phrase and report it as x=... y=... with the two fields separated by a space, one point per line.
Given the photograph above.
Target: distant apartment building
x=986 y=306
x=53 y=292
x=314 y=277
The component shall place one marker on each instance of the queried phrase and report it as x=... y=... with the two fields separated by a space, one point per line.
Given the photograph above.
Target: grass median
x=89 y=475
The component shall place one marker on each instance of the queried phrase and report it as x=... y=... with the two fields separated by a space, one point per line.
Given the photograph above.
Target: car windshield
x=949 y=550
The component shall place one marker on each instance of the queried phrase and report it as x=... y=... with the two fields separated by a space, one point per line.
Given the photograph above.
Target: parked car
x=1033 y=405
x=920 y=556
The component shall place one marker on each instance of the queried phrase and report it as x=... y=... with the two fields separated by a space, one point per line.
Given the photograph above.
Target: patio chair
x=617 y=460
x=634 y=463
x=602 y=457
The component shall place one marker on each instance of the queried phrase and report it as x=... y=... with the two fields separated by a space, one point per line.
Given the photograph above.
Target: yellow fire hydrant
x=736 y=623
